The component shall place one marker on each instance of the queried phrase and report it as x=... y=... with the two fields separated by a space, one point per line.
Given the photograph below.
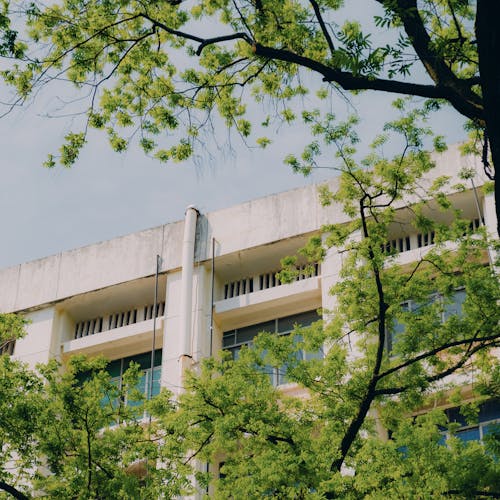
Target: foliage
x=18 y=421
x=323 y=438
x=78 y=435
x=11 y=327
x=351 y=424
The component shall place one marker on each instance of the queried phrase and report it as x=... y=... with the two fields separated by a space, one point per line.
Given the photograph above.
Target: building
x=216 y=282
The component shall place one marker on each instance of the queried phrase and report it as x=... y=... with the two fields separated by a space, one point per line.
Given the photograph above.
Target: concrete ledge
x=119 y=342
x=267 y=304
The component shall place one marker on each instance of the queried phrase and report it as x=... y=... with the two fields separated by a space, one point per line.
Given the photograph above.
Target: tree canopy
x=150 y=69
x=384 y=365
x=365 y=417
x=75 y=433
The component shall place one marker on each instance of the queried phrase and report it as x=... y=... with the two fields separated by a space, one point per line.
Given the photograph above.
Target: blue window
x=451 y=306
x=233 y=340
x=149 y=381
x=488 y=421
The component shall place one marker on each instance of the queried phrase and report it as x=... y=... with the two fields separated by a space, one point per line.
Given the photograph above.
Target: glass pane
x=454 y=415
x=455 y=307
x=156 y=381
x=468 y=434
x=281 y=377
x=493 y=428
x=397 y=328
x=235 y=351
x=303 y=319
x=114 y=368
x=249 y=332
x=142 y=384
x=158 y=357
x=489 y=410
x=271 y=372
x=229 y=338
x=143 y=359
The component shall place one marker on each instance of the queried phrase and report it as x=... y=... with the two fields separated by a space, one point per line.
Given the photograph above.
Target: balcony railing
x=117 y=320
x=418 y=240
x=7 y=347
x=264 y=281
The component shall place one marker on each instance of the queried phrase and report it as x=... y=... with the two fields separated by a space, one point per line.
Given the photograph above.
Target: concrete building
x=217 y=284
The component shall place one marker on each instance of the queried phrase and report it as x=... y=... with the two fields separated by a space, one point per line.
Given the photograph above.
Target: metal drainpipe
x=187 y=278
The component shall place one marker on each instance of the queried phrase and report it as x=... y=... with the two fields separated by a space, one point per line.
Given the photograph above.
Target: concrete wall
x=38 y=346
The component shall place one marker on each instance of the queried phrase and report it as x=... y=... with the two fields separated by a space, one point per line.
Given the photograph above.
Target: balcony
x=264 y=281
x=117 y=342
x=282 y=299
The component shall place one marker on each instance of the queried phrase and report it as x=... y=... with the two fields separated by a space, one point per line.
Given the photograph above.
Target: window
x=118 y=367
x=264 y=281
x=425 y=239
x=233 y=340
x=488 y=419
x=451 y=306
x=397 y=245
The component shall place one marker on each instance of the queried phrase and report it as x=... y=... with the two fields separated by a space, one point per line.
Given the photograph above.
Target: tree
x=383 y=363
x=125 y=59
x=18 y=421
x=11 y=328
x=100 y=436
x=77 y=434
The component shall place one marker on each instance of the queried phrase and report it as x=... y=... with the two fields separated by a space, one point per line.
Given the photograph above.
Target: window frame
x=276 y=374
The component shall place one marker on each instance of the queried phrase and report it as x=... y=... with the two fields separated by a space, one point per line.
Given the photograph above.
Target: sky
x=106 y=194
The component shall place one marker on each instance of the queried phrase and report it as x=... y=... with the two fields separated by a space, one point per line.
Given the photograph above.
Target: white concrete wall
x=200 y=336
x=37 y=346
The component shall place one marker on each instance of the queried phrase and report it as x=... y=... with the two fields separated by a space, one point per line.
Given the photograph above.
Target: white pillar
x=187 y=279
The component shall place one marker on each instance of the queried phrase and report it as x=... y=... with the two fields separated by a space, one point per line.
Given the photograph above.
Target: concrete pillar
x=187 y=279
x=37 y=346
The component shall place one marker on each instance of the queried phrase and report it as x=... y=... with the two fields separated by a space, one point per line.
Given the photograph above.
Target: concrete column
x=489 y=213
x=177 y=326
x=490 y=221
x=36 y=346
x=187 y=279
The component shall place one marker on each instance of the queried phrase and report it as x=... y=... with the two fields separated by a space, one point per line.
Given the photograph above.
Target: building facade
x=216 y=277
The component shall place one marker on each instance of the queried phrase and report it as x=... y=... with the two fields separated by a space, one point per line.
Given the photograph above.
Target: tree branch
x=439 y=376
x=437 y=350
x=448 y=86
x=321 y=21
x=12 y=491
x=459 y=92
x=364 y=407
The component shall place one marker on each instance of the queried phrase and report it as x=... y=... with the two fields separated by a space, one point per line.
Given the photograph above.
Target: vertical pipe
x=153 y=347
x=149 y=395
x=212 y=298
x=187 y=278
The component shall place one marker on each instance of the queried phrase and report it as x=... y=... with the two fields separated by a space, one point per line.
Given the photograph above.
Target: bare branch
x=445 y=373
x=324 y=28
x=223 y=38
